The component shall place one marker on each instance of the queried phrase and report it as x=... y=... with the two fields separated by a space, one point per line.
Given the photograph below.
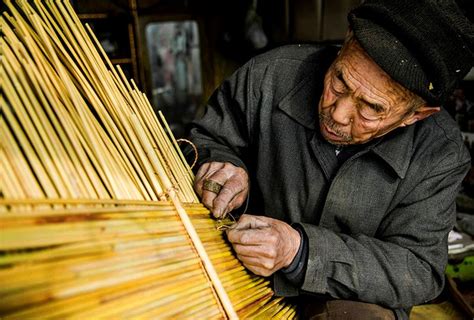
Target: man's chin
x=339 y=143
x=343 y=143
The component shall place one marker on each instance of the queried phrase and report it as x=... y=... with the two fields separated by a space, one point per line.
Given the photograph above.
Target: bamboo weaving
x=98 y=215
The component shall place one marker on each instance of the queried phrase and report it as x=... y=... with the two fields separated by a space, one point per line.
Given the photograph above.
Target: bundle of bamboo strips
x=86 y=132
x=132 y=260
x=92 y=190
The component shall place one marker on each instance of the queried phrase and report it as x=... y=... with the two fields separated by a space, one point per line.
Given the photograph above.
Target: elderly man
x=349 y=213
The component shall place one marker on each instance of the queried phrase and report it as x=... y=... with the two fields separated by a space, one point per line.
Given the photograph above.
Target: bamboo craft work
x=98 y=216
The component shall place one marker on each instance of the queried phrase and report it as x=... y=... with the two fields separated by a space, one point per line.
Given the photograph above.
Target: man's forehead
x=353 y=61
x=354 y=56
x=354 y=52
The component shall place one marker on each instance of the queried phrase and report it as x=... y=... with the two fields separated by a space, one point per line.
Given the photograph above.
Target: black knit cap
x=425 y=45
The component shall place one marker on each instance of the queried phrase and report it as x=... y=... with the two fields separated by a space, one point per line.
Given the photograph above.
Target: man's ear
x=420 y=114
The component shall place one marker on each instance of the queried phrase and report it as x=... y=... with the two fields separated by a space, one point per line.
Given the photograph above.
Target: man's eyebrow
x=377 y=107
x=374 y=106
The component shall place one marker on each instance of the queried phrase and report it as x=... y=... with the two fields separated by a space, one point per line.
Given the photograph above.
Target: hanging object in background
x=174 y=59
x=254 y=33
x=97 y=210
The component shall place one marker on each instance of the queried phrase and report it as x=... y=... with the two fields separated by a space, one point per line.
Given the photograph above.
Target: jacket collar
x=396 y=149
x=301 y=105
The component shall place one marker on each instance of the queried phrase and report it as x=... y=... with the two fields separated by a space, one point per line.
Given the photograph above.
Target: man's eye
x=369 y=113
x=338 y=86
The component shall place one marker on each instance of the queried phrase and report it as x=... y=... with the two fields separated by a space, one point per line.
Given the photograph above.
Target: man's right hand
x=235 y=187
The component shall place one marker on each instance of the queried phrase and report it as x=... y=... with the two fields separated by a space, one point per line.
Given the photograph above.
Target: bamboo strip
x=156 y=294
x=98 y=46
x=173 y=140
x=92 y=284
x=32 y=157
x=269 y=310
x=33 y=51
x=168 y=304
x=45 y=96
x=96 y=248
x=223 y=298
x=93 y=131
x=36 y=132
x=41 y=149
x=63 y=233
x=12 y=158
x=68 y=305
x=79 y=160
x=249 y=311
x=179 y=309
x=73 y=276
x=29 y=201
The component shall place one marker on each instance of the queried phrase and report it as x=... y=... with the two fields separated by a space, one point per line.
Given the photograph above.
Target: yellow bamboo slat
x=98 y=215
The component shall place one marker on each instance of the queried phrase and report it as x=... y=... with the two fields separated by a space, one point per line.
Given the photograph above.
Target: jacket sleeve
x=222 y=133
x=403 y=265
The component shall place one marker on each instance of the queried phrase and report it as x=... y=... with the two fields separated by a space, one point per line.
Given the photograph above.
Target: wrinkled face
x=360 y=101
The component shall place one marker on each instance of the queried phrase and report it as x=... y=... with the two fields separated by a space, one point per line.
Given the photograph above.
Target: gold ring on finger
x=212 y=186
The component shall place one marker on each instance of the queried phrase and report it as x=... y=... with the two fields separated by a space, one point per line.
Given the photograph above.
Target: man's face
x=360 y=101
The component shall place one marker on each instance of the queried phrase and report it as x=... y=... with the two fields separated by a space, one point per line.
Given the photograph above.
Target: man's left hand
x=264 y=245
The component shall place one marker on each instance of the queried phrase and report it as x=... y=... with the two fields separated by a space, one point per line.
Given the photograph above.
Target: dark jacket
x=377 y=225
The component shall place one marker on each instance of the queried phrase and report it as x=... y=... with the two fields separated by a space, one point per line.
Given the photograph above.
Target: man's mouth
x=328 y=129
x=331 y=133
x=334 y=135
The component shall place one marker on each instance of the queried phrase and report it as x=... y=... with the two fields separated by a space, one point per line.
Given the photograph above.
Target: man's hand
x=235 y=187
x=264 y=245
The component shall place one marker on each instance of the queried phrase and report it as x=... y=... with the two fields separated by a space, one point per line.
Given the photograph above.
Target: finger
x=207 y=199
x=250 y=260
x=230 y=191
x=203 y=173
x=221 y=176
x=248 y=221
x=225 y=202
x=259 y=265
x=222 y=204
x=263 y=263
x=198 y=181
x=260 y=251
x=259 y=271
x=212 y=167
x=236 y=202
x=247 y=236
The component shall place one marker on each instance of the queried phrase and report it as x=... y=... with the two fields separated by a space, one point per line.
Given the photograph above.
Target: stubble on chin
x=325 y=120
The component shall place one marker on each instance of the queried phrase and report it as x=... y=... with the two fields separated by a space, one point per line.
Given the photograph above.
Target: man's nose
x=343 y=110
